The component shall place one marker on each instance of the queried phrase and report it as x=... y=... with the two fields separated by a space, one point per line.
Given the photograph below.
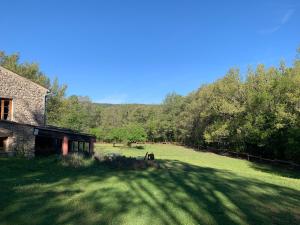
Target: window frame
x=2 y=107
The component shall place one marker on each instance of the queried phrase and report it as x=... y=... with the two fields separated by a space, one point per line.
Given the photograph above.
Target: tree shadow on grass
x=44 y=192
x=282 y=171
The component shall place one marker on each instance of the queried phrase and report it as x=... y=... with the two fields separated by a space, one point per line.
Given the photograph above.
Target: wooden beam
x=65 y=146
x=2 y=109
x=91 y=145
x=10 y=109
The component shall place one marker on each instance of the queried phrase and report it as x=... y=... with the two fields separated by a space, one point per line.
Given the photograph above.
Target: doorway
x=3 y=143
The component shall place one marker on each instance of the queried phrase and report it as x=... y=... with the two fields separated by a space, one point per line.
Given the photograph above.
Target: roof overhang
x=5 y=132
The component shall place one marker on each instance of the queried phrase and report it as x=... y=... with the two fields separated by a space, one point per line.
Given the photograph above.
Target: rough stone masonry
x=28 y=106
x=28 y=98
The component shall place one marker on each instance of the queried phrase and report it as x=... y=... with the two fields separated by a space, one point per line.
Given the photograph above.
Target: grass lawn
x=192 y=188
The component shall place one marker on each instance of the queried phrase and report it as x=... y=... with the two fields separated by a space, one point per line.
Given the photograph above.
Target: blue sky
x=133 y=51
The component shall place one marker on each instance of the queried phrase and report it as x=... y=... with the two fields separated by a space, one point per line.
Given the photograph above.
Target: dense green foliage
x=257 y=113
x=134 y=133
x=190 y=188
x=130 y=133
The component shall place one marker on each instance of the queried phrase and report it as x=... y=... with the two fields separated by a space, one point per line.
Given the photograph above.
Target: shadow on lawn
x=43 y=192
x=282 y=171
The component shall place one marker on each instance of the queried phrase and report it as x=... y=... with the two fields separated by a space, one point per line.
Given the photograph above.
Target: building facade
x=22 y=98
x=22 y=121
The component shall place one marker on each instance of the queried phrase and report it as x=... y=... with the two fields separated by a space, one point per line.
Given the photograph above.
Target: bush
x=73 y=160
x=122 y=162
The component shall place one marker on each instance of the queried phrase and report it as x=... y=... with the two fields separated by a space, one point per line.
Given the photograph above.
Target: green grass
x=191 y=188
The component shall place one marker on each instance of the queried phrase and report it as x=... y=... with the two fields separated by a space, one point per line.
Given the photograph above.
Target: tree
x=99 y=133
x=74 y=115
x=117 y=135
x=134 y=133
x=55 y=105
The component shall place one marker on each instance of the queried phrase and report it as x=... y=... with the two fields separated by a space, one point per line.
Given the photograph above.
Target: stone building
x=22 y=121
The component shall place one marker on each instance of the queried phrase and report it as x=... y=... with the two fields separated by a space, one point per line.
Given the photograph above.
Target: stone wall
x=28 y=98
x=21 y=141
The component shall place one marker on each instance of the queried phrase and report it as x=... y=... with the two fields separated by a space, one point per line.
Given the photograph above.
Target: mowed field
x=190 y=188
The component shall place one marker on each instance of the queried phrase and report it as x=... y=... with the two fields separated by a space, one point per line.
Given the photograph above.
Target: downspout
x=45 y=108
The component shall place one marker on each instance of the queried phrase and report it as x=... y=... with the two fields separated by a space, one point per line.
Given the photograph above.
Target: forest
x=257 y=112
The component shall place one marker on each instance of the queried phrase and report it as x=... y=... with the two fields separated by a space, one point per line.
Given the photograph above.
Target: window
x=80 y=146
x=75 y=146
x=87 y=147
x=5 y=109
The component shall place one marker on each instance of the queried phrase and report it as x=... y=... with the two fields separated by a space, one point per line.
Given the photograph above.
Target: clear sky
x=137 y=51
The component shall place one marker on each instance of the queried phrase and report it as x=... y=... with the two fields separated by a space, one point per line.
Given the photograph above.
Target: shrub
x=73 y=160
x=122 y=162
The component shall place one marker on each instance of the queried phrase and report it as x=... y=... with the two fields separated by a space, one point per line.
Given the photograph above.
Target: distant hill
x=126 y=105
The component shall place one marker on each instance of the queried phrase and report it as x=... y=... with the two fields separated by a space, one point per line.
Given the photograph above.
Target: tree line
x=257 y=113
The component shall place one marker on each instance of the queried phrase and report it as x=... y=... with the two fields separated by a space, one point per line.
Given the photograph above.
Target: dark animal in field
x=149 y=156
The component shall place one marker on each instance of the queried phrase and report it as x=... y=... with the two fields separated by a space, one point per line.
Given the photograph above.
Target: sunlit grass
x=191 y=188
x=206 y=159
